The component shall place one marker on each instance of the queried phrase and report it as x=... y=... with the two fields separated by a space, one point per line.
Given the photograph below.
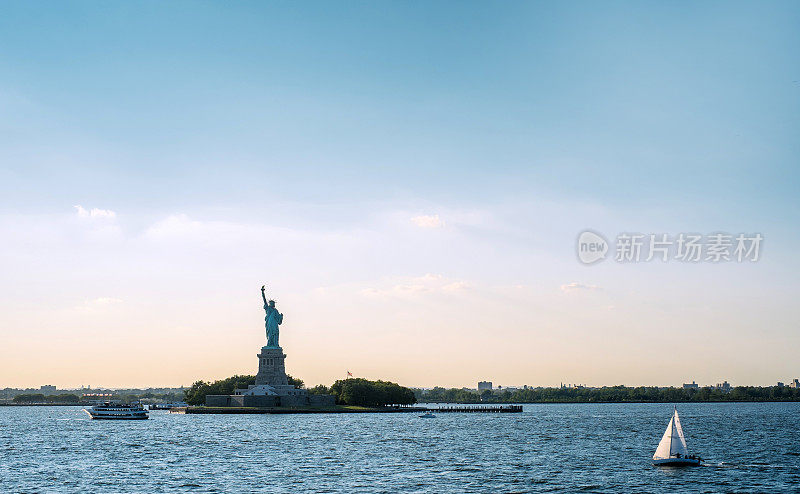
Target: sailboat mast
x=674 y=431
x=671 y=433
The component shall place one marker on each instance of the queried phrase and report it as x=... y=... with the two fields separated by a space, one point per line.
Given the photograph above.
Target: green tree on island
x=365 y=393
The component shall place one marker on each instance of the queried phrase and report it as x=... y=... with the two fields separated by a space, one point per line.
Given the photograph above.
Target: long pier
x=479 y=409
x=347 y=409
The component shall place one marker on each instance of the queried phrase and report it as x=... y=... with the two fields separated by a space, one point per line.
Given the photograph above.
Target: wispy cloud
x=95 y=213
x=579 y=286
x=410 y=286
x=175 y=225
x=428 y=221
x=97 y=304
x=456 y=286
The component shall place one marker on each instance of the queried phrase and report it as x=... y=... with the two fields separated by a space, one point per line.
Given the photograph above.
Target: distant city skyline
x=481 y=386
x=409 y=180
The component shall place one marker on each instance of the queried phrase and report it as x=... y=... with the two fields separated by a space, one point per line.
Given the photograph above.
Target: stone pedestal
x=271 y=367
x=272 y=388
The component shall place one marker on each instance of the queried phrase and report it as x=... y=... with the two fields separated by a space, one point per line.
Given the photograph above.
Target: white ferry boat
x=117 y=411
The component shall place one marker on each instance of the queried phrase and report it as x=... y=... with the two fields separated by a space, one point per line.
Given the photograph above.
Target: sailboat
x=672 y=450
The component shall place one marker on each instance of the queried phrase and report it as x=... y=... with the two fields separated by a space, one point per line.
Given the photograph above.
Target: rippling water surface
x=548 y=448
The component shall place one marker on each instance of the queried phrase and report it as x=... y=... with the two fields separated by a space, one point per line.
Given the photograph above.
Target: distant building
x=795 y=384
x=724 y=386
x=483 y=385
x=47 y=389
x=780 y=384
x=690 y=386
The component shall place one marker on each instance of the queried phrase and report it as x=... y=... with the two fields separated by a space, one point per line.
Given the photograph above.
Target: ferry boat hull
x=116 y=417
x=116 y=412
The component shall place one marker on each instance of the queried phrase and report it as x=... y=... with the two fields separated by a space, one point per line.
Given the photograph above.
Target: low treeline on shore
x=72 y=398
x=354 y=392
x=42 y=398
x=611 y=394
x=366 y=393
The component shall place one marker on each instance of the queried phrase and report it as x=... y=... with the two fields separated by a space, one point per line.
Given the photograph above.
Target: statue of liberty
x=272 y=320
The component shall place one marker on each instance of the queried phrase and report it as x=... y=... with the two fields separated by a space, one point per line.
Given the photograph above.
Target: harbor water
x=748 y=447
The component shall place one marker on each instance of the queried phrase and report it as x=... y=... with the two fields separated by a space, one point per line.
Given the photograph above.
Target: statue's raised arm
x=263 y=296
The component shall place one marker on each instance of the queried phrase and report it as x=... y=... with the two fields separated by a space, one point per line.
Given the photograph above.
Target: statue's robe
x=272 y=320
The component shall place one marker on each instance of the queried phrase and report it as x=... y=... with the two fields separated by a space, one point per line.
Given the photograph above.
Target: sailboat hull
x=676 y=462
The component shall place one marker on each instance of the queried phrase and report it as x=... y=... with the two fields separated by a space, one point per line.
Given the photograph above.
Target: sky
x=407 y=178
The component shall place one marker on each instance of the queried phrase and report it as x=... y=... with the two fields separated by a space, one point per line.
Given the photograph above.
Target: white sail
x=678 y=441
x=666 y=442
x=672 y=442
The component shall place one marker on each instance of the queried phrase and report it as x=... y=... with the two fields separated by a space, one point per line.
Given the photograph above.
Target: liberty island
x=274 y=391
x=271 y=388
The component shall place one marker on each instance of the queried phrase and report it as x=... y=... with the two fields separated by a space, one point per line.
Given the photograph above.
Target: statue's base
x=271 y=367
x=272 y=388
